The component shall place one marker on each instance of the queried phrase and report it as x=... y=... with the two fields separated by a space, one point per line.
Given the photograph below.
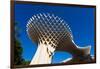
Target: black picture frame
x=54 y=4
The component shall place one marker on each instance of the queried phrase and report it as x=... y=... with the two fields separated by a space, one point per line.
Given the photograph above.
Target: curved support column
x=43 y=55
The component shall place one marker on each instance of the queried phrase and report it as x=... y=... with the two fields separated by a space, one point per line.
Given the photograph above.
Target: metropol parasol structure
x=52 y=33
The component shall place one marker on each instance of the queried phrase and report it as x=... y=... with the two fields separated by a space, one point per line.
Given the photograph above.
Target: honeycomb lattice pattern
x=48 y=29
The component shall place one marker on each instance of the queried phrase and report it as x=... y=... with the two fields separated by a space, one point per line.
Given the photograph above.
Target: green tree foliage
x=18 y=53
x=18 y=50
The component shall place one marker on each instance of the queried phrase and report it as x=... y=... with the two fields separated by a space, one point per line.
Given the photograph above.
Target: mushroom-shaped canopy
x=48 y=29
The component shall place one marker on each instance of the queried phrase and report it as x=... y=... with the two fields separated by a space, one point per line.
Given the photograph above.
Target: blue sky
x=80 y=20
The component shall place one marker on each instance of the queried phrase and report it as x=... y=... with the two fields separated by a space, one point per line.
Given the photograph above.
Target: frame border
x=12 y=15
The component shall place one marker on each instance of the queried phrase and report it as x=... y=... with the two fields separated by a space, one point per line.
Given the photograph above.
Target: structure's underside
x=52 y=34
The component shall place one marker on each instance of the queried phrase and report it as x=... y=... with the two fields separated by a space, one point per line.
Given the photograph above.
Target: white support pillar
x=42 y=55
